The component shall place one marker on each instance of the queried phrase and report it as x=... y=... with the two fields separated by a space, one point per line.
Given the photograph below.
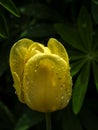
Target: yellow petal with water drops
x=17 y=86
x=34 y=49
x=17 y=56
x=57 y=48
x=47 y=83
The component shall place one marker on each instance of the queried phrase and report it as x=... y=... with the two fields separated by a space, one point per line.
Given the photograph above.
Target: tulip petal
x=17 y=55
x=57 y=48
x=47 y=83
x=17 y=86
x=34 y=49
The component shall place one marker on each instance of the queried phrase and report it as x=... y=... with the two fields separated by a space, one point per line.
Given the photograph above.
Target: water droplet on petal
x=62 y=97
x=61 y=88
x=28 y=82
x=52 y=67
x=35 y=70
x=59 y=69
x=58 y=59
x=67 y=101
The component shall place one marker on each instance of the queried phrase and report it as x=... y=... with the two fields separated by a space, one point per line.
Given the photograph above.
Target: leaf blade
x=41 y=11
x=79 y=89
x=3 y=27
x=38 y=31
x=85 y=27
x=28 y=119
x=10 y=6
x=70 y=35
x=95 y=72
x=6 y=117
x=76 y=66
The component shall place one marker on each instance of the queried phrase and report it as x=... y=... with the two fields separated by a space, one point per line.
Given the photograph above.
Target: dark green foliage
x=6 y=118
x=10 y=6
x=28 y=119
x=3 y=27
x=81 y=40
x=75 y=24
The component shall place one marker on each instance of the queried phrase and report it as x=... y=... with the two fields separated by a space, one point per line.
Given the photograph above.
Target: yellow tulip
x=41 y=74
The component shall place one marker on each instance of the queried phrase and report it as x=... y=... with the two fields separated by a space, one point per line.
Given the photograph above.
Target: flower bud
x=41 y=74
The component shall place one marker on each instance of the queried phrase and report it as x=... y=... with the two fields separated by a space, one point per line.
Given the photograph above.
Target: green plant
x=75 y=24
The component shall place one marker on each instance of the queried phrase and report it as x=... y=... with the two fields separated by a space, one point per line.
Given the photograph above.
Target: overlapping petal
x=41 y=74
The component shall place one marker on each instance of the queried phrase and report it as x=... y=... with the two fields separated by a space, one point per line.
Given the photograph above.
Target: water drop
x=59 y=69
x=35 y=70
x=61 y=88
x=67 y=101
x=52 y=67
x=15 y=92
x=58 y=59
x=28 y=82
x=63 y=68
x=62 y=97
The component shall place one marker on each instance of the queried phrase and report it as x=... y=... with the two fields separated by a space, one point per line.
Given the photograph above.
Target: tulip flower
x=41 y=74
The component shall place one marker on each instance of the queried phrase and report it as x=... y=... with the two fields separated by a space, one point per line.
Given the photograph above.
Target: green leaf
x=76 y=66
x=80 y=88
x=75 y=55
x=95 y=43
x=85 y=27
x=95 y=71
x=29 y=119
x=6 y=117
x=10 y=6
x=89 y=119
x=94 y=9
x=3 y=27
x=70 y=35
x=38 y=31
x=41 y=11
x=70 y=121
x=95 y=1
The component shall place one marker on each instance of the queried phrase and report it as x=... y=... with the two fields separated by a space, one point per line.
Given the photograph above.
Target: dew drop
x=61 y=88
x=52 y=67
x=59 y=69
x=28 y=82
x=37 y=64
x=15 y=92
x=63 y=68
x=35 y=70
x=58 y=59
x=67 y=101
x=62 y=97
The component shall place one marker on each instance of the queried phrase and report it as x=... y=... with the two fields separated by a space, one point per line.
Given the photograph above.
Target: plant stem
x=48 y=121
